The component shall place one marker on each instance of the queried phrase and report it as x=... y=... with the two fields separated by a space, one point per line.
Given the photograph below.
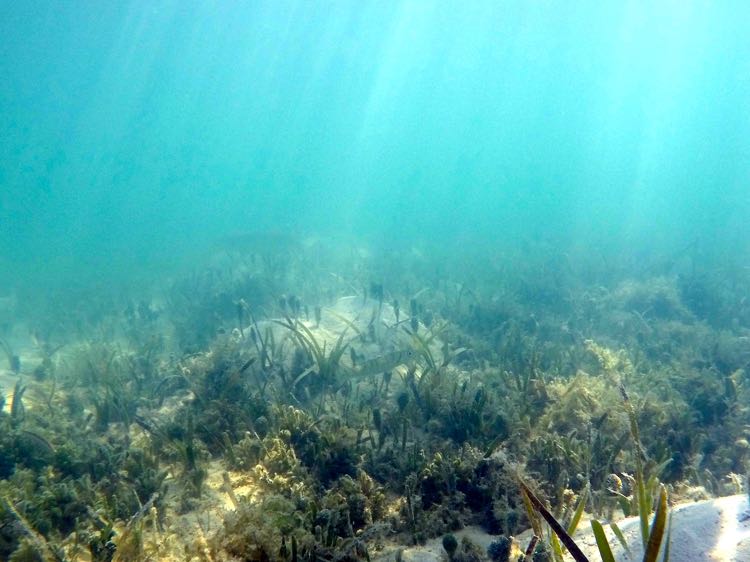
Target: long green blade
x=620 y=537
x=557 y=552
x=569 y=543
x=601 y=542
x=536 y=523
x=579 y=511
x=644 y=506
x=657 y=529
x=665 y=558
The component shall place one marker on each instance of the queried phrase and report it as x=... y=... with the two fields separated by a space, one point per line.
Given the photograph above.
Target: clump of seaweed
x=335 y=426
x=324 y=363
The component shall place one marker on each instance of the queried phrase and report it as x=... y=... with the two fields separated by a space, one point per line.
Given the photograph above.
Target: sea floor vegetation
x=307 y=403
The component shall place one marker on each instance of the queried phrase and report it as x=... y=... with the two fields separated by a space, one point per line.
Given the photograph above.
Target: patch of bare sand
x=715 y=530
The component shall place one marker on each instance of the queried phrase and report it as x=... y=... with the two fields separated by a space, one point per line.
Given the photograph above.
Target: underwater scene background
x=326 y=280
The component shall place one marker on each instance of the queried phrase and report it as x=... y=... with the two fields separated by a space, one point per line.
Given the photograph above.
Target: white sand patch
x=707 y=531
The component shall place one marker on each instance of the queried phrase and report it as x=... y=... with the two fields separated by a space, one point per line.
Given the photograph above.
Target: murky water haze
x=135 y=132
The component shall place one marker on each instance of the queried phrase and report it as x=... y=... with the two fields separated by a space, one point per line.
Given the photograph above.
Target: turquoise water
x=369 y=265
x=134 y=133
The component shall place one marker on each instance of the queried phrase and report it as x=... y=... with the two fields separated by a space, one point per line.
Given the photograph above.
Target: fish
x=376 y=366
x=36 y=443
x=383 y=363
